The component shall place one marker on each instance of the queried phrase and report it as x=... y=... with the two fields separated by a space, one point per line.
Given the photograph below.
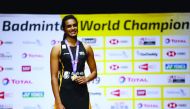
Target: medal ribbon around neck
x=73 y=61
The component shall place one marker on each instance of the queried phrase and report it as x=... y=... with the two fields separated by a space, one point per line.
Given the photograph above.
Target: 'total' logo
x=171 y=53
x=2 y=95
x=114 y=67
x=26 y=68
x=114 y=41
x=116 y=92
x=172 y=105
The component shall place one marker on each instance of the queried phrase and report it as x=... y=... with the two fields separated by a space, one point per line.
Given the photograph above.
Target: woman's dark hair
x=67 y=17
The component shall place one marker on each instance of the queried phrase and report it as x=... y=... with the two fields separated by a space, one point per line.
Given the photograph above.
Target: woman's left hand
x=81 y=80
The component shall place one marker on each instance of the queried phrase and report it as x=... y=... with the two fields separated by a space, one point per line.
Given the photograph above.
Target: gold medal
x=73 y=77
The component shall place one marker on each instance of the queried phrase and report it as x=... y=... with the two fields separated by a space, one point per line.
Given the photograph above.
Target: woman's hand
x=81 y=80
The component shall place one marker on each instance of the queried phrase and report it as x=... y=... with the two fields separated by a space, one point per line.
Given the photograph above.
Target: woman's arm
x=54 y=67
x=92 y=65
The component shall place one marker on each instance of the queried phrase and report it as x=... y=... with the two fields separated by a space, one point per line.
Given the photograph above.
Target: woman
x=67 y=63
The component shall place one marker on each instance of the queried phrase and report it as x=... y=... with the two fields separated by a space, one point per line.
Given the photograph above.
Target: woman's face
x=71 y=28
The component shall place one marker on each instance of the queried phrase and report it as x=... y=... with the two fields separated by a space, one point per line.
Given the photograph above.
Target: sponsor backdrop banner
x=143 y=60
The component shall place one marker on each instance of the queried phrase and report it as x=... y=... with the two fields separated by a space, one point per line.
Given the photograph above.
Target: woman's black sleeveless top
x=73 y=95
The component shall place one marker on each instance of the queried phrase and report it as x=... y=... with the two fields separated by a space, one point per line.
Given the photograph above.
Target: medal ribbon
x=73 y=61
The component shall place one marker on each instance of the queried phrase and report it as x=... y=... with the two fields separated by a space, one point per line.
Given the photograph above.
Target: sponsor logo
x=81 y=53
x=114 y=67
x=147 y=54
x=167 y=40
x=1 y=68
x=6 y=106
x=33 y=107
x=122 y=53
x=89 y=40
x=135 y=80
x=1 y=42
x=173 y=105
x=119 y=93
x=114 y=41
x=68 y=74
x=176 y=79
x=5 y=42
x=143 y=105
x=66 y=53
x=30 y=55
x=36 y=42
x=53 y=42
x=171 y=53
x=147 y=41
x=122 y=79
x=178 y=92
x=5 y=56
x=119 y=105
x=141 y=92
x=176 y=66
x=95 y=93
x=5 y=69
x=175 y=41
x=181 y=53
x=95 y=81
x=139 y=105
x=32 y=94
x=2 y=95
x=7 y=81
x=26 y=68
x=146 y=67
x=116 y=92
x=24 y=55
